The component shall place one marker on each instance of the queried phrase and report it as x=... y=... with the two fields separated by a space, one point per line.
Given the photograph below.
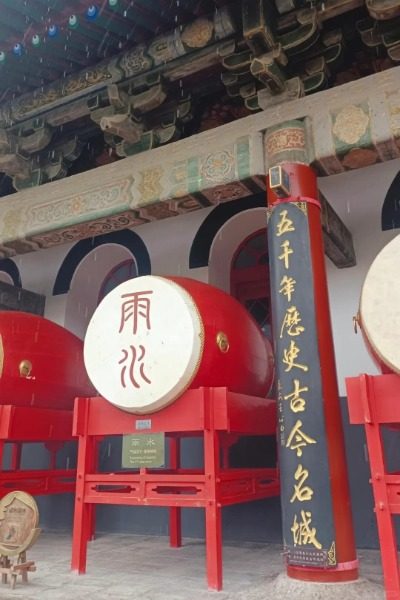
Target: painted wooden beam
x=347 y=128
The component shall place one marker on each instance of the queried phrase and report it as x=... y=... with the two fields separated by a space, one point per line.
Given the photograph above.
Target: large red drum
x=152 y=338
x=41 y=363
x=379 y=314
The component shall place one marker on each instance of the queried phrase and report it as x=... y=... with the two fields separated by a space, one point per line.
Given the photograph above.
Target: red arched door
x=250 y=279
x=250 y=285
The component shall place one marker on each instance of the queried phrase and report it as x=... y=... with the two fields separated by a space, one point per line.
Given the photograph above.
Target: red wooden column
x=302 y=193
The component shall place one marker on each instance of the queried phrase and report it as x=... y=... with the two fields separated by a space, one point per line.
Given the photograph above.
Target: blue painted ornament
x=18 y=49
x=52 y=31
x=92 y=12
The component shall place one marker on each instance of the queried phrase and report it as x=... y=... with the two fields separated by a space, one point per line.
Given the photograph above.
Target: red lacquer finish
x=304 y=184
x=375 y=402
x=247 y=367
x=216 y=416
x=57 y=372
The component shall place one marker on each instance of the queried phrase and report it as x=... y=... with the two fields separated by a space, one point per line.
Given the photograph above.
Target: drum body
x=41 y=363
x=379 y=314
x=152 y=338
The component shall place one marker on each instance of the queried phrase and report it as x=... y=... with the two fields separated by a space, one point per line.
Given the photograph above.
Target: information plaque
x=143 y=450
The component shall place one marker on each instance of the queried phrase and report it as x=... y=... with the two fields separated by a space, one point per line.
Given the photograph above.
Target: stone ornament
x=19 y=520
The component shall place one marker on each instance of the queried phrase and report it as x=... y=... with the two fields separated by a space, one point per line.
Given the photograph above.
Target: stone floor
x=122 y=567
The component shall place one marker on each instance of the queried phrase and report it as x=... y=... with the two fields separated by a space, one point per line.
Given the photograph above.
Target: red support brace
x=175 y=524
x=210 y=413
x=375 y=402
x=53 y=428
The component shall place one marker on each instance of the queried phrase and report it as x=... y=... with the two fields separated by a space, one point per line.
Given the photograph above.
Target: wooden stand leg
x=83 y=517
x=12 y=569
x=175 y=528
x=386 y=529
x=80 y=536
x=175 y=523
x=94 y=467
x=5 y=564
x=214 y=546
x=92 y=522
x=213 y=508
x=24 y=574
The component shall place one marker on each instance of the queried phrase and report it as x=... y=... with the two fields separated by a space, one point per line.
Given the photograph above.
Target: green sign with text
x=143 y=450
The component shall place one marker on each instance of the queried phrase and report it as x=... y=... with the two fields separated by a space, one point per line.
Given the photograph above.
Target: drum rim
x=155 y=407
x=363 y=324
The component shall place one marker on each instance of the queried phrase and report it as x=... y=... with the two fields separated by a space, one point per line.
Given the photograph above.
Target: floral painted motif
x=198 y=34
x=351 y=123
x=218 y=167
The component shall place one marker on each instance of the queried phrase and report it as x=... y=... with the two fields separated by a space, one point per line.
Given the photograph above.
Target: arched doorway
x=125 y=270
x=250 y=285
x=250 y=278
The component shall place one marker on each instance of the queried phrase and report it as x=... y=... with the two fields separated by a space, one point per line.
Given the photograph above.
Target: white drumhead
x=380 y=305
x=144 y=344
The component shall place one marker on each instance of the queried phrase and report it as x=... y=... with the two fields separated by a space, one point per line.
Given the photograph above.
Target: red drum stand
x=374 y=401
x=21 y=424
x=215 y=414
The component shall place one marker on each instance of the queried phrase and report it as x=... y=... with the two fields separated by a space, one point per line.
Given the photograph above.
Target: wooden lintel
x=338 y=240
x=16 y=298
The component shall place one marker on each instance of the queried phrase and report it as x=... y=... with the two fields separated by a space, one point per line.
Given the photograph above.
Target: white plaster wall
x=169 y=242
x=38 y=272
x=86 y=283
x=39 y=269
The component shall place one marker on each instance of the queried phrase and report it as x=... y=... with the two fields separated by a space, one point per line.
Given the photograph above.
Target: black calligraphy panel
x=308 y=526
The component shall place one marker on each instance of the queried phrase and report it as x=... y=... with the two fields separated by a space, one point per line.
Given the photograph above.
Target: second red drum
x=41 y=363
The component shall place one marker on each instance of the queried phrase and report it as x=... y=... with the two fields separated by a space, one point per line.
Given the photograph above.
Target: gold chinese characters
x=291 y=330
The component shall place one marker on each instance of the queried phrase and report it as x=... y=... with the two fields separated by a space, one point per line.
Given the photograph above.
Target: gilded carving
x=135 y=61
x=289 y=138
x=198 y=34
x=351 y=123
x=150 y=186
x=28 y=103
x=166 y=48
x=84 y=80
